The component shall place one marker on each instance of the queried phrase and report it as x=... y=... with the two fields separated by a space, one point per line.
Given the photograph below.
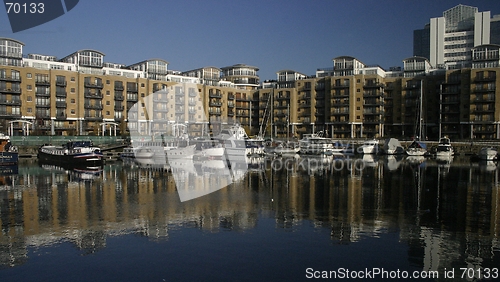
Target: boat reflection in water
x=333 y=211
x=75 y=174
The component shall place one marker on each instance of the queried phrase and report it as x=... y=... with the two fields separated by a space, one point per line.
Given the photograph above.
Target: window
x=358 y=90
x=142 y=84
x=29 y=99
x=72 y=101
x=28 y=87
x=30 y=110
x=358 y=99
x=107 y=113
x=107 y=93
x=107 y=81
x=28 y=75
x=72 y=79
x=73 y=112
x=107 y=103
x=72 y=90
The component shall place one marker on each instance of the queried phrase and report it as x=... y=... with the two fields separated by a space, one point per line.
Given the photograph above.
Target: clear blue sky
x=271 y=35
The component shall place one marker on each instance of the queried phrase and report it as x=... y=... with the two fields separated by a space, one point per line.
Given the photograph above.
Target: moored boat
x=488 y=154
x=444 y=147
x=316 y=144
x=236 y=142
x=370 y=147
x=287 y=148
x=392 y=146
x=208 y=148
x=416 y=148
x=186 y=152
x=8 y=153
x=137 y=153
x=73 y=153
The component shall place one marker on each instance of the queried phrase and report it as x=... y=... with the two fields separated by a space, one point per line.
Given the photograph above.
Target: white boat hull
x=415 y=152
x=488 y=154
x=211 y=152
x=180 y=153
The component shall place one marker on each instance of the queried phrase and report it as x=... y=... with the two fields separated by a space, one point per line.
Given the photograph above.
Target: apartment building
x=447 y=41
x=81 y=94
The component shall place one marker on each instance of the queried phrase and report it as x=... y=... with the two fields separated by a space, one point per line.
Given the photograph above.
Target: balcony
x=372 y=121
x=342 y=112
x=213 y=112
x=93 y=85
x=283 y=97
x=340 y=85
x=10 y=91
x=483 y=111
x=15 y=102
x=61 y=94
x=373 y=85
x=61 y=116
x=5 y=114
x=120 y=87
x=483 y=90
x=336 y=95
x=214 y=104
x=42 y=82
x=10 y=78
x=42 y=116
x=305 y=113
x=91 y=106
x=61 y=83
x=93 y=95
x=93 y=118
x=484 y=79
x=132 y=90
x=119 y=108
x=119 y=97
x=60 y=104
x=45 y=105
x=215 y=95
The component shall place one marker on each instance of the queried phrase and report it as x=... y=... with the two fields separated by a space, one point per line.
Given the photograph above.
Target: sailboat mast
x=272 y=113
x=420 y=109
x=288 y=122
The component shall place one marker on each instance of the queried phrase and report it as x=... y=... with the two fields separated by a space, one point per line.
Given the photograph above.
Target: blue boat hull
x=9 y=158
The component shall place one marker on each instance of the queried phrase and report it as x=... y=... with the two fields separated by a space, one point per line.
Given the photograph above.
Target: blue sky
x=271 y=35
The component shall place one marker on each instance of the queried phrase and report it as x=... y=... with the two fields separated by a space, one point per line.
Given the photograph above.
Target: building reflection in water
x=446 y=212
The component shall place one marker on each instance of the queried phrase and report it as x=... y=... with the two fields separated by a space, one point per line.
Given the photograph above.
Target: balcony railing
x=42 y=82
x=61 y=83
x=10 y=78
x=91 y=106
x=93 y=85
x=10 y=91
x=60 y=104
